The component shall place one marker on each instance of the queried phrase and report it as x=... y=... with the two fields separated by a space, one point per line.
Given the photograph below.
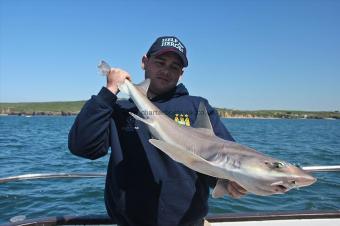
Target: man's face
x=164 y=71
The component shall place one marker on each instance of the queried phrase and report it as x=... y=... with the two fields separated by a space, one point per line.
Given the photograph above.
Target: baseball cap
x=168 y=44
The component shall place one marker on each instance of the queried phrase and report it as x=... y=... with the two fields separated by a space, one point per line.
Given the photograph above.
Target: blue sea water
x=39 y=145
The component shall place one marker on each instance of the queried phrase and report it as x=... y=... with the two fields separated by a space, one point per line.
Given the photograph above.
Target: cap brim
x=174 y=50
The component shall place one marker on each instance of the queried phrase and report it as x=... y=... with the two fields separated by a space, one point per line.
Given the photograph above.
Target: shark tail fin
x=123 y=87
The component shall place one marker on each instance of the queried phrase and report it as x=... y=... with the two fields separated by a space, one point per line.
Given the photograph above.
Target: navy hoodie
x=143 y=185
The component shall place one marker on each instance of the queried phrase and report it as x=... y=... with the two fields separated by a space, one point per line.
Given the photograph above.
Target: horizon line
x=226 y=108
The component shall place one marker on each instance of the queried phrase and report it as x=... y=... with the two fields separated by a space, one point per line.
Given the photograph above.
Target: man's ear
x=145 y=60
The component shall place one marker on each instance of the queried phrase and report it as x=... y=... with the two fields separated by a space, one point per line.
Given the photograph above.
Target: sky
x=246 y=55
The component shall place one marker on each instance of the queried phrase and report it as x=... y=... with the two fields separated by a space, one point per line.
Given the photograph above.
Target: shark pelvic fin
x=144 y=86
x=189 y=159
x=203 y=120
x=146 y=121
x=220 y=188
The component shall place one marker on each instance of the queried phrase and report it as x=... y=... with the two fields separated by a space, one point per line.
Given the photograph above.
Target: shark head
x=269 y=176
x=289 y=176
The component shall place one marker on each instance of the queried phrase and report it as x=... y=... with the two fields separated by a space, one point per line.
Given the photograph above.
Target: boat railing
x=105 y=220
x=32 y=176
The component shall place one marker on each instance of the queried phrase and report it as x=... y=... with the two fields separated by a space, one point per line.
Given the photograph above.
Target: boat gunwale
x=277 y=215
x=226 y=217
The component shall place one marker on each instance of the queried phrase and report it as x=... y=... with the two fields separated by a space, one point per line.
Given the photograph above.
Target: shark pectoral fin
x=146 y=121
x=174 y=152
x=187 y=158
x=220 y=188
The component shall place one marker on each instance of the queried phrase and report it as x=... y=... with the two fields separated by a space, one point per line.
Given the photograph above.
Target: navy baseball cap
x=168 y=44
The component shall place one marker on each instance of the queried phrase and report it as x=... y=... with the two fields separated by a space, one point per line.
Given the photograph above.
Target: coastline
x=23 y=114
x=47 y=113
x=72 y=108
x=277 y=114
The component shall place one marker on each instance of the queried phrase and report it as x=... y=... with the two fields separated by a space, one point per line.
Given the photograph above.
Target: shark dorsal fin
x=202 y=119
x=144 y=86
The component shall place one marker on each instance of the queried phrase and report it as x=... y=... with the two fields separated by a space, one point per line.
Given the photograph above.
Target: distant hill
x=228 y=113
x=73 y=108
x=42 y=108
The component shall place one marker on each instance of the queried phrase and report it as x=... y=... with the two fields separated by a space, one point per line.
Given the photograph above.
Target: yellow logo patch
x=182 y=120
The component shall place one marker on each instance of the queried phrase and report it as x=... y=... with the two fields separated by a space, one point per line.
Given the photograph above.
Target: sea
x=38 y=144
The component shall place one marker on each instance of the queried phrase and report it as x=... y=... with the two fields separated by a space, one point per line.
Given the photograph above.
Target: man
x=143 y=185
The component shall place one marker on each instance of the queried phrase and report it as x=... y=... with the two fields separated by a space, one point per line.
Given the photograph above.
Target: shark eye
x=278 y=165
x=275 y=165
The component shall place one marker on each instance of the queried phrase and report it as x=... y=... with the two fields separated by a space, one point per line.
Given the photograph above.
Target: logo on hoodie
x=182 y=120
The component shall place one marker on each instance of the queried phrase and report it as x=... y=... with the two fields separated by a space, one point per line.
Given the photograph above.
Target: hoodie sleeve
x=89 y=136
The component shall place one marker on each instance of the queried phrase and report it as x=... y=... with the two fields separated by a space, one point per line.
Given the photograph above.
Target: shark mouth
x=282 y=187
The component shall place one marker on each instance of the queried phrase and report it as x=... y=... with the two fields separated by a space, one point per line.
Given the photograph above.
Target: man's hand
x=115 y=77
x=235 y=190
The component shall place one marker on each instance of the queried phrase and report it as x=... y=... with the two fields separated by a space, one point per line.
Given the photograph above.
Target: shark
x=198 y=148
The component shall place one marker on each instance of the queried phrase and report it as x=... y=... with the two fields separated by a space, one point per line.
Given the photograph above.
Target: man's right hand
x=115 y=77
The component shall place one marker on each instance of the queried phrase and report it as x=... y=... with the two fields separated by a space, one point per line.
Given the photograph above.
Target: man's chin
x=160 y=90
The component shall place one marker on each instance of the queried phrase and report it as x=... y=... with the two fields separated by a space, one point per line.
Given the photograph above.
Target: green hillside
x=42 y=108
x=228 y=113
x=73 y=107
